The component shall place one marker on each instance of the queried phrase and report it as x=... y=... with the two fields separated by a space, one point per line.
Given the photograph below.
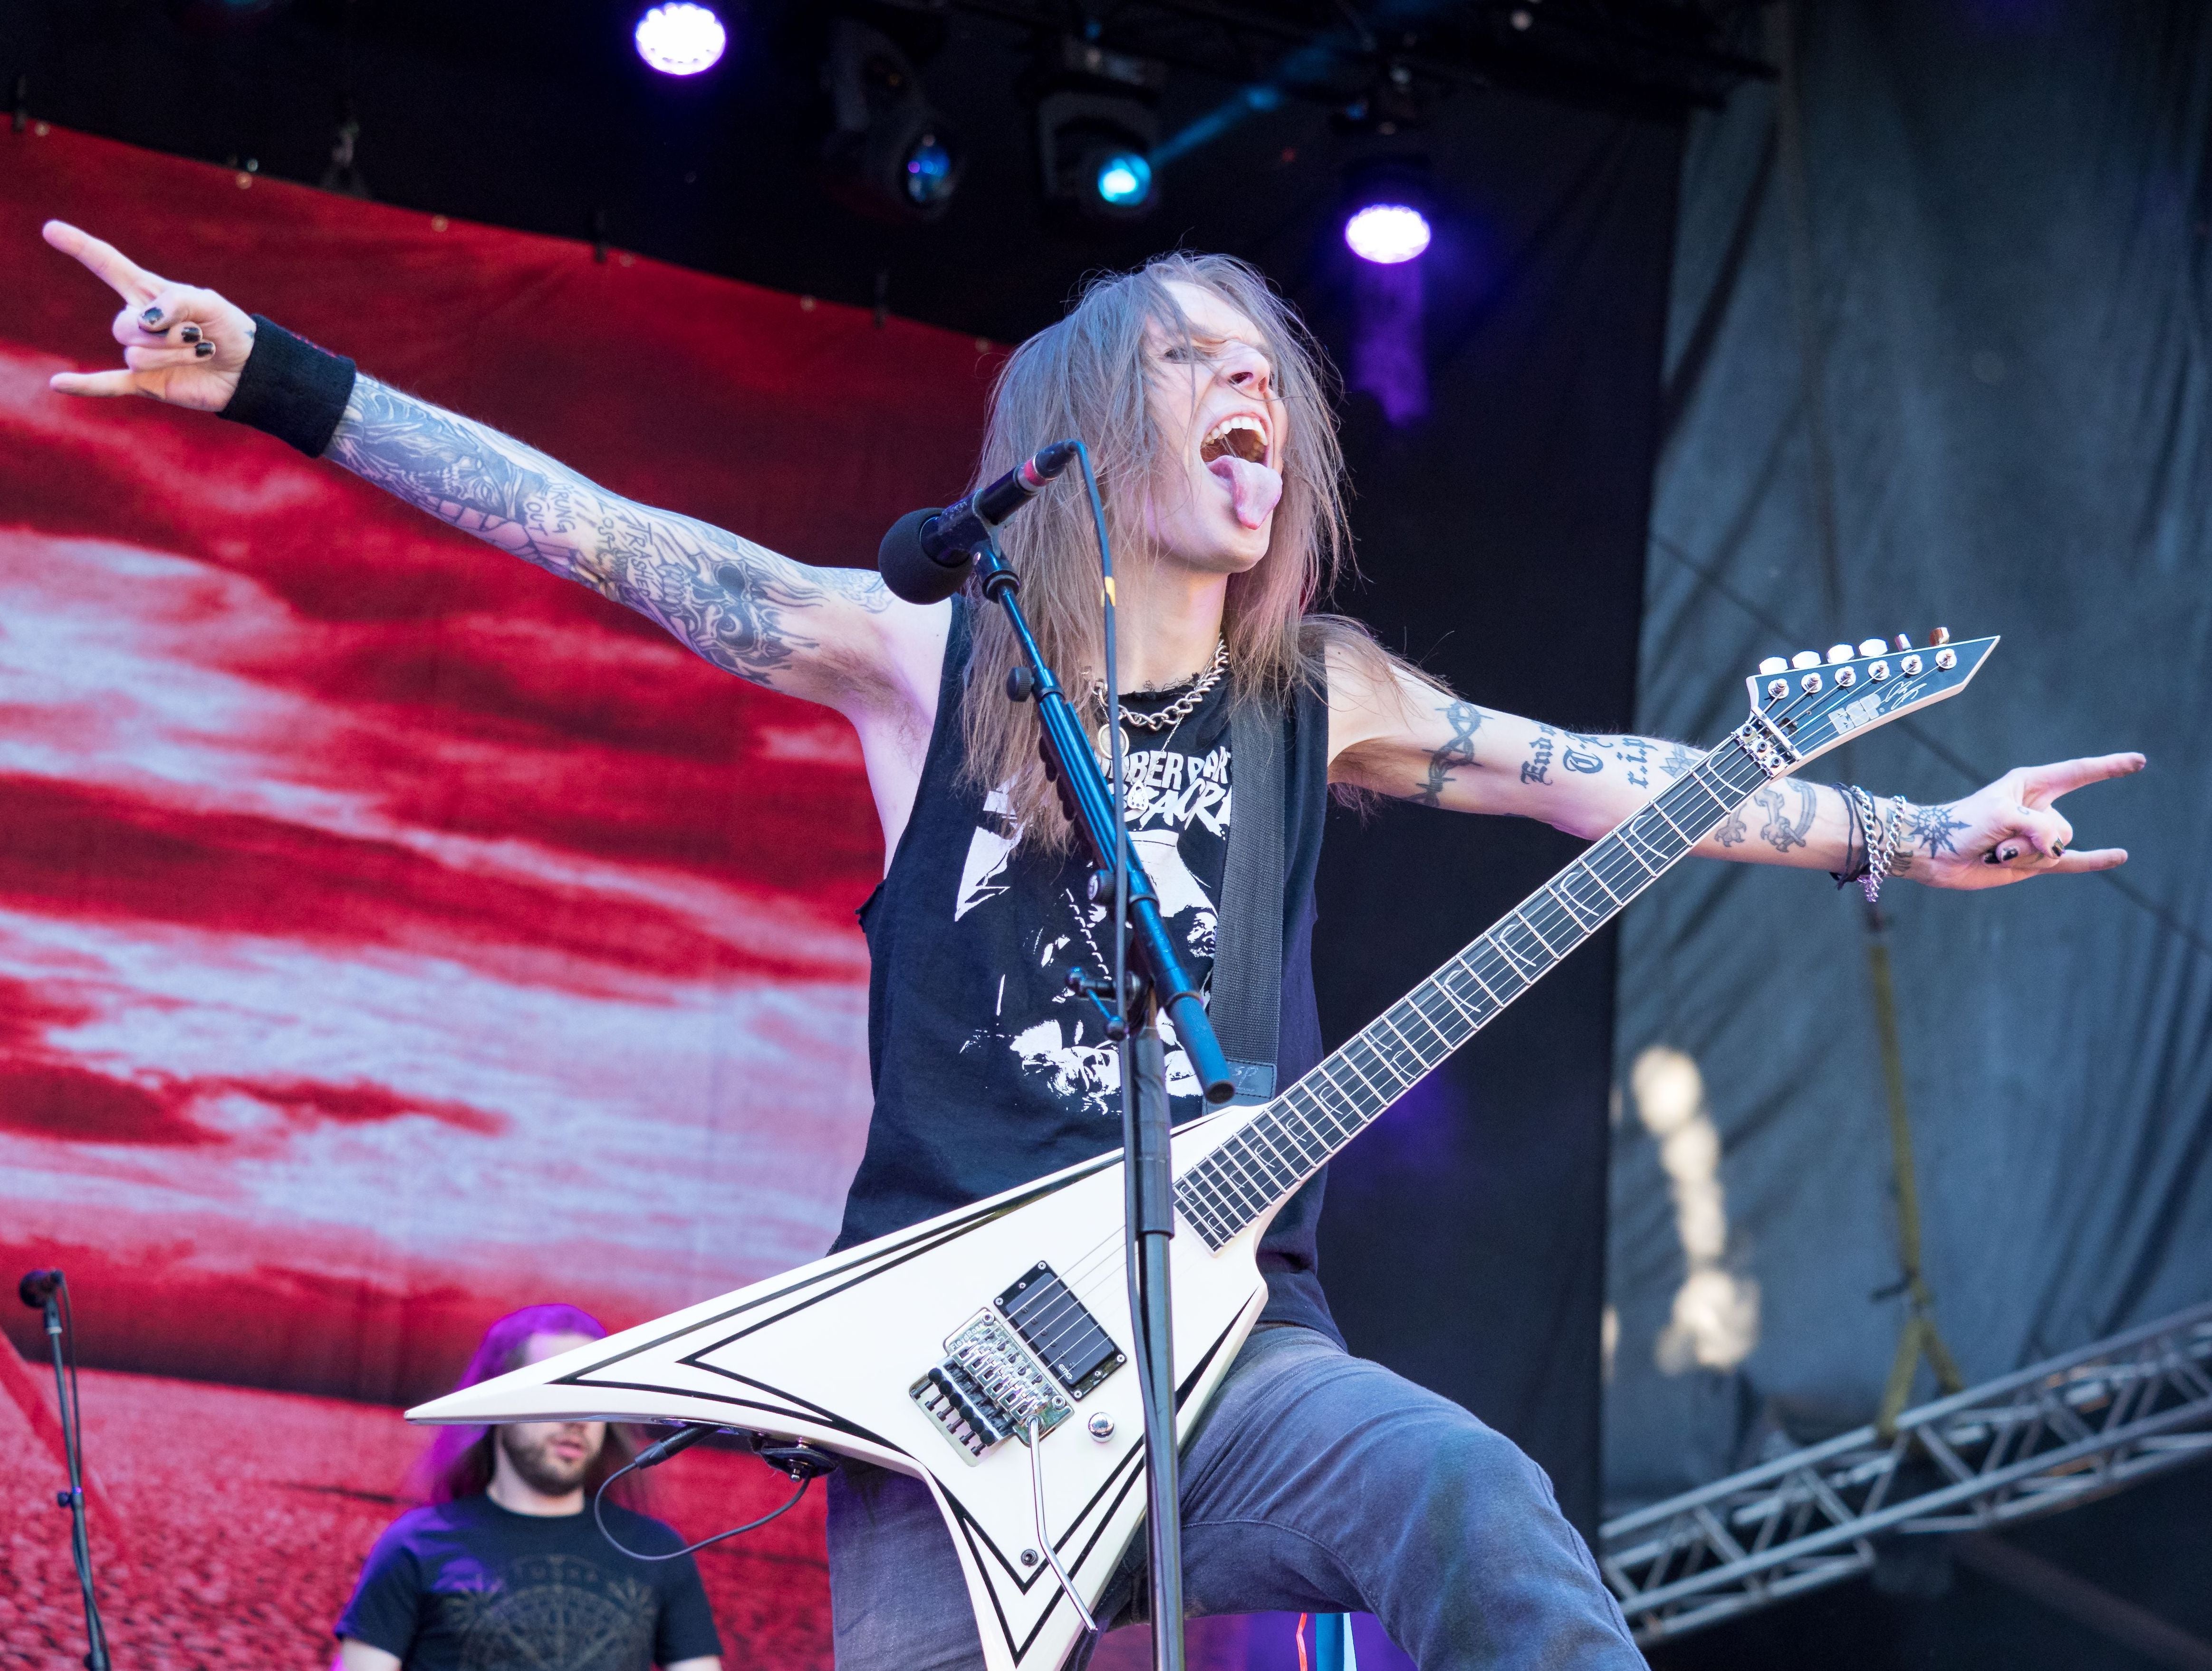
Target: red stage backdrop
x=390 y=934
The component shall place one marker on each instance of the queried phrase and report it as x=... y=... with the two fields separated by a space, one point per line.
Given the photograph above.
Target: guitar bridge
x=989 y=1388
x=1028 y=1359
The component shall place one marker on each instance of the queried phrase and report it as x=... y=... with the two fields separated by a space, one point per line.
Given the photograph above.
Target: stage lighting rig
x=679 y=38
x=1389 y=214
x=1097 y=129
x=890 y=155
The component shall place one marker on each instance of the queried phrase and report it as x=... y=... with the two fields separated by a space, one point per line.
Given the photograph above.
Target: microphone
x=38 y=1287
x=926 y=557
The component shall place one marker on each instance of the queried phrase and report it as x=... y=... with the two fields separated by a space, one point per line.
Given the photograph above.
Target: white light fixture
x=1387 y=233
x=680 y=40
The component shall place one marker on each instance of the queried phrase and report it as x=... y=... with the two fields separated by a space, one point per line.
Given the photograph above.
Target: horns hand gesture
x=181 y=345
x=2010 y=830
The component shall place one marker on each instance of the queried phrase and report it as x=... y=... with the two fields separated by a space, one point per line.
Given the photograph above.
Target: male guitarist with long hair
x=1316 y=1481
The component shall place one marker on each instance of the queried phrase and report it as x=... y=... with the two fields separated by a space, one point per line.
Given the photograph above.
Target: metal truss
x=2066 y=1431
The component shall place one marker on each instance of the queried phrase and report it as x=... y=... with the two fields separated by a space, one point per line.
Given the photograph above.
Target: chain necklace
x=1176 y=711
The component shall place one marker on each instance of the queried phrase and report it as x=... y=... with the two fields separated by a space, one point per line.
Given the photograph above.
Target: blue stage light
x=932 y=172
x=1125 y=180
x=1387 y=233
x=680 y=40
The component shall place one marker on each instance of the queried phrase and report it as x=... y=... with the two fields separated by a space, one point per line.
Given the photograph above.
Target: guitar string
x=1592 y=862
x=1621 y=864
x=1086 y=1276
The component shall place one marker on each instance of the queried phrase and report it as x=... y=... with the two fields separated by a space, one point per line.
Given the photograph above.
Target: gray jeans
x=1318 y=1482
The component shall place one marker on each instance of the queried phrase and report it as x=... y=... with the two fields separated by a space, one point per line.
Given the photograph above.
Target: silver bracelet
x=1881 y=855
x=1877 y=837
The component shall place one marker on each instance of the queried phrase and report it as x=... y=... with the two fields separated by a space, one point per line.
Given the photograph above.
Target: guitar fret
x=1598 y=877
x=1244 y=1175
x=1311 y=1150
x=1385 y=1069
x=1434 y=1023
x=1278 y=1161
x=1658 y=808
x=1344 y=1056
x=1203 y=1213
x=1473 y=1021
x=1287 y=1141
x=1227 y=1182
x=1398 y=1033
x=1567 y=904
x=1204 y=1179
x=1496 y=1002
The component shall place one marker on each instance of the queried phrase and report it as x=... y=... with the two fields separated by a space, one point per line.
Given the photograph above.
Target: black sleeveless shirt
x=987 y=1071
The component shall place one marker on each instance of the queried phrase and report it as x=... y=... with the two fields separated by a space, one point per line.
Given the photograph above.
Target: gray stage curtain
x=1938 y=354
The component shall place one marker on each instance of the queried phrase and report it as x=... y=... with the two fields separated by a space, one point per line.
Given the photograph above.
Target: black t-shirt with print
x=988 y=1071
x=470 y=1586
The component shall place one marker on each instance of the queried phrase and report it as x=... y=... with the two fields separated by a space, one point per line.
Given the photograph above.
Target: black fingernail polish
x=152 y=316
x=190 y=333
x=203 y=349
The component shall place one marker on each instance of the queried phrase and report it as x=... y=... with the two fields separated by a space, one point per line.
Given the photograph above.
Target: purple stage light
x=1387 y=234
x=680 y=40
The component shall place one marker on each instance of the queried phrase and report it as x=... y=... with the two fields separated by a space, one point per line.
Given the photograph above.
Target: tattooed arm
x=818 y=633
x=1393 y=734
x=834 y=635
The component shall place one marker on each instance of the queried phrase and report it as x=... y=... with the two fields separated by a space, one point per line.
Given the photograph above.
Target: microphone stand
x=72 y=1445
x=1157 y=983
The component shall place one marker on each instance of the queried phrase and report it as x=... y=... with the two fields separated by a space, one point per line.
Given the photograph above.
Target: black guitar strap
x=1246 y=999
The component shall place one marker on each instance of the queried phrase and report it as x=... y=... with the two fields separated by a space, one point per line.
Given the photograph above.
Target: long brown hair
x=1087 y=376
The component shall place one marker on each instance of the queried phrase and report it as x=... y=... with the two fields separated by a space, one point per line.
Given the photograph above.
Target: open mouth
x=1240 y=436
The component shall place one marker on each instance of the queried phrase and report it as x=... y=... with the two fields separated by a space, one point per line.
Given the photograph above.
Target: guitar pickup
x=1057 y=1326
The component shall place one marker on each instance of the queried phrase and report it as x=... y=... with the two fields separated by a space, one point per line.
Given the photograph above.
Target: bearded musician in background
x=1316 y=1481
x=502 y=1569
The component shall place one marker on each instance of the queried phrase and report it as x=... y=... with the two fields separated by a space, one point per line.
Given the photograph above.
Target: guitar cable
x=802 y=1462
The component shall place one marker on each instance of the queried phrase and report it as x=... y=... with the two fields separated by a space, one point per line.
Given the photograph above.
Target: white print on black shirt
x=1060 y=1041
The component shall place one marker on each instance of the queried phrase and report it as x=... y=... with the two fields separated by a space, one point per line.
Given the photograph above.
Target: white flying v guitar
x=941 y=1349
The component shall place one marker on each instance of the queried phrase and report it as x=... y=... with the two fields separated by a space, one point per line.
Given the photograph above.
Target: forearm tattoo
x=1464 y=719
x=726 y=598
x=1781 y=831
x=1591 y=755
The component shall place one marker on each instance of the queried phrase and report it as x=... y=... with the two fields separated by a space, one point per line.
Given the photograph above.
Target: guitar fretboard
x=1289 y=1140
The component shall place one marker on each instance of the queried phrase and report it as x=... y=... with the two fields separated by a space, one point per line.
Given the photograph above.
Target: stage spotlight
x=1125 y=180
x=1096 y=153
x=889 y=155
x=1387 y=233
x=680 y=40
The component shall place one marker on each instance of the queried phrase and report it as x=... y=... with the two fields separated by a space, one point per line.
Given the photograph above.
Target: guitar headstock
x=1816 y=703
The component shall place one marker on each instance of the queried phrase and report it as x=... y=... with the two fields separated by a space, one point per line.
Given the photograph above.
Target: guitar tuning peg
x=1871 y=646
x=1805 y=658
x=1773 y=664
x=1902 y=641
x=1940 y=635
x=1838 y=652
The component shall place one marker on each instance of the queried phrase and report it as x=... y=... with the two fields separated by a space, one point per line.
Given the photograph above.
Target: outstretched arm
x=833 y=636
x=808 y=631
x=1412 y=741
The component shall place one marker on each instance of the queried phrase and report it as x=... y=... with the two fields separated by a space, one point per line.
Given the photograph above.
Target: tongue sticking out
x=1253 y=487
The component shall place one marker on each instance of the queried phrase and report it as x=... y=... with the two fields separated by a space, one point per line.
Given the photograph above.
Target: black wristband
x=291 y=389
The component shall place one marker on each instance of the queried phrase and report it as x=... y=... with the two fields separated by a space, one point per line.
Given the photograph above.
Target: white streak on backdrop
x=1714 y=1322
